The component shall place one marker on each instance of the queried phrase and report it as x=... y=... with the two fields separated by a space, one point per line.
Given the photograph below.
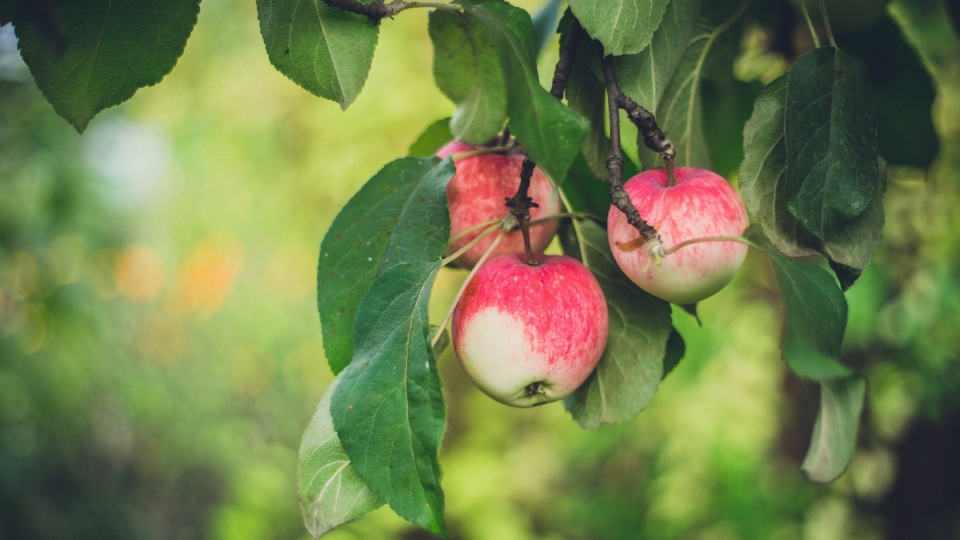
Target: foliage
x=811 y=177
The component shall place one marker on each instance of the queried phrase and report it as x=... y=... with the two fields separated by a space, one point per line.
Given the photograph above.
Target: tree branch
x=568 y=53
x=379 y=10
x=520 y=204
x=618 y=196
x=653 y=137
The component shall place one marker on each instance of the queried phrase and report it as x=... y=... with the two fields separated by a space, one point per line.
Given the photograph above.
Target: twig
x=653 y=137
x=470 y=244
x=826 y=24
x=813 y=31
x=618 y=196
x=692 y=241
x=568 y=53
x=520 y=204
x=483 y=225
x=379 y=10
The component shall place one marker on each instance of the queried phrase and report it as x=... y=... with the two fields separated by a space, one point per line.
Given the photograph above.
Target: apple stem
x=492 y=228
x=520 y=204
x=692 y=241
x=463 y=287
x=618 y=196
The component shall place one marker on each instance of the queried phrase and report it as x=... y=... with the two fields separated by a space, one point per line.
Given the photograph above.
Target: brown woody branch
x=653 y=137
x=379 y=10
x=618 y=196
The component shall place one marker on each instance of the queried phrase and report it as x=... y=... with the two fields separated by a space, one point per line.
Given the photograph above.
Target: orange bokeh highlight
x=138 y=273
x=207 y=276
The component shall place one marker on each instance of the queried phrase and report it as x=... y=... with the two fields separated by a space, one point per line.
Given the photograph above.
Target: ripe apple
x=477 y=193
x=527 y=335
x=700 y=204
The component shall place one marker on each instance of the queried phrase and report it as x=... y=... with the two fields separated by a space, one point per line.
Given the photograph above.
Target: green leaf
x=676 y=348
x=400 y=215
x=831 y=140
x=432 y=139
x=762 y=185
x=326 y=50
x=814 y=316
x=90 y=55
x=583 y=191
x=680 y=113
x=331 y=492
x=549 y=131
x=835 y=433
x=389 y=408
x=631 y=367
x=467 y=69
x=762 y=173
x=442 y=343
x=545 y=23
x=851 y=247
x=587 y=95
x=622 y=26
x=644 y=76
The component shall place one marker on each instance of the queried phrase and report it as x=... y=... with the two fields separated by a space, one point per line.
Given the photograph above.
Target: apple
x=477 y=193
x=530 y=334
x=699 y=204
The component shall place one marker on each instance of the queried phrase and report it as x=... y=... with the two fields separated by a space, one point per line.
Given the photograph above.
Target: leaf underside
x=331 y=491
x=835 y=432
x=89 y=55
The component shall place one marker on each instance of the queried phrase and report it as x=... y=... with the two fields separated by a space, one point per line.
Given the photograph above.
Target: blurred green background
x=160 y=350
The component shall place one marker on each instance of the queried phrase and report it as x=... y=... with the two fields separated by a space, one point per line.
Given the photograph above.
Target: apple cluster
x=528 y=334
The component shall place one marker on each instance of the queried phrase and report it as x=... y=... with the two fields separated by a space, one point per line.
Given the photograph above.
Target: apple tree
x=809 y=171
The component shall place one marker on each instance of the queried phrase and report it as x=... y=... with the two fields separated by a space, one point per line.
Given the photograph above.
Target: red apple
x=528 y=335
x=700 y=204
x=477 y=194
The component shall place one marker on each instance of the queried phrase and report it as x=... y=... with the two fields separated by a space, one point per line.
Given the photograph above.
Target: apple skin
x=477 y=193
x=518 y=325
x=700 y=203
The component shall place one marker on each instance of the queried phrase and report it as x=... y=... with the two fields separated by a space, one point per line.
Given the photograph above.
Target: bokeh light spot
x=207 y=276
x=23 y=275
x=139 y=273
x=66 y=258
x=35 y=329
